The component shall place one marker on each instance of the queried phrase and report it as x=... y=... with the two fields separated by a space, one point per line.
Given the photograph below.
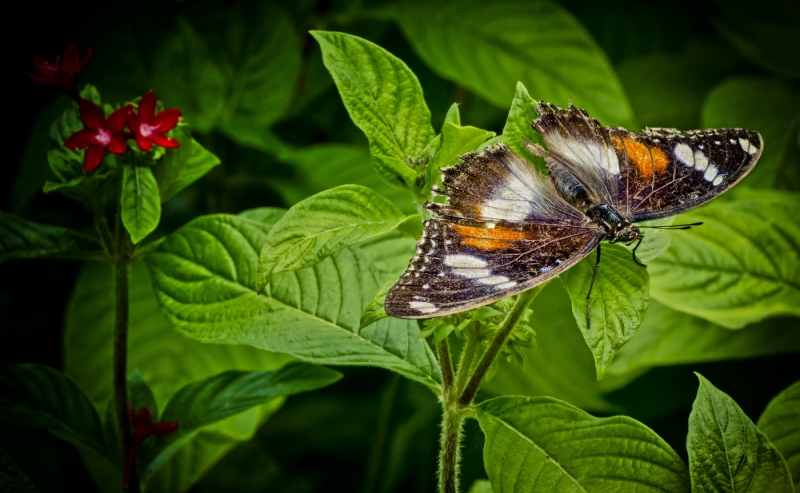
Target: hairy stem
x=467 y=355
x=447 y=366
x=450 y=453
x=525 y=298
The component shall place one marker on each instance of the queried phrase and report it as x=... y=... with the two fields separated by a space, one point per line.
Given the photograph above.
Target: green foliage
x=618 y=302
x=182 y=166
x=384 y=99
x=737 y=267
x=325 y=224
x=780 y=421
x=518 y=127
x=140 y=202
x=542 y=443
x=489 y=47
x=12 y=479
x=320 y=305
x=25 y=239
x=37 y=396
x=727 y=452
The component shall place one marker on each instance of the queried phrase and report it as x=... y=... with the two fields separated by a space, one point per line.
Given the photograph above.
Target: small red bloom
x=143 y=427
x=149 y=128
x=63 y=72
x=100 y=134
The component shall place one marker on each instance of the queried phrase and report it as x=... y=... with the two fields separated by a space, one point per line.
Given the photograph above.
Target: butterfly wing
x=652 y=174
x=504 y=230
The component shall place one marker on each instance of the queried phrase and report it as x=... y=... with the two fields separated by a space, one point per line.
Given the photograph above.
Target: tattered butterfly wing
x=504 y=230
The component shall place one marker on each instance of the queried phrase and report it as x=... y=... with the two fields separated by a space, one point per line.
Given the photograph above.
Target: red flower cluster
x=101 y=134
x=143 y=427
x=61 y=73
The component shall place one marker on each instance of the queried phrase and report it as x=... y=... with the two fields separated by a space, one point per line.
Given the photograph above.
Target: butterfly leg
x=591 y=285
x=634 y=253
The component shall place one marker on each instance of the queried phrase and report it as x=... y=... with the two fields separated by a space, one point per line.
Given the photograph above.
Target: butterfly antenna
x=673 y=226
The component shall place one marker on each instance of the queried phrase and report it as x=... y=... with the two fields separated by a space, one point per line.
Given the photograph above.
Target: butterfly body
x=506 y=227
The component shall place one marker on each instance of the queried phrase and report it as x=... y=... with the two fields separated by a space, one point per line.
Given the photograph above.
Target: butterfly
x=505 y=227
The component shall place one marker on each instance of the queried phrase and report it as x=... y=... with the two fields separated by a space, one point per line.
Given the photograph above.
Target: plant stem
x=121 y=266
x=467 y=355
x=447 y=366
x=509 y=323
x=450 y=454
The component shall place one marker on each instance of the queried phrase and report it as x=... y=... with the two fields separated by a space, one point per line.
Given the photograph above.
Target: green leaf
x=12 y=479
x=88 y=353
x=384 y=99
x=41 y=397
x=488 y=47
x=182 y=166
x=325 y=224
x=727 y=453
x=312 y=314
x=140 y=202
x=204 y=402
x=24 y=239
x=543 y=444
x=238 y=79
x=669 y=337
x=738 y=267
x=375 y=310
x=518 y=127
x=139 y=393
x=618 y=303
x=558 y=338
x=780 y=421
x=481 y=486
x=389 y=254
x=455 y=141
x=769 y=107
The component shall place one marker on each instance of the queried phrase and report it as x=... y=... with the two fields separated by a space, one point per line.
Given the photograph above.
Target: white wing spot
x=493 y=280
x=426 y=286
x=423 y=306
x=711 y=173
x=472 y=273
x=747 y=146
x=717 y=142
x=506 y=285
x=700 y=161
x=464 y=261
x=717 y=180
x=733 y=141
x=684 y=154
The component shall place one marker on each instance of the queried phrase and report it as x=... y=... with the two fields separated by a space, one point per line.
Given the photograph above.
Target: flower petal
x=134 y=122
x=71 y=60
x=44 y=67
x=162 y=429
x=41 y=80
x=147 y=107
x=84 y=61
x=118 y=119
x=94 y=155
x=165 y=141
x=144 y=143
x=78 y=140
x=91 y=115
x=167 y=119
x=117 y=144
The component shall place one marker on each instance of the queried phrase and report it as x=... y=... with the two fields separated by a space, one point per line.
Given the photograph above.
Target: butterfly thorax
x=617 y=226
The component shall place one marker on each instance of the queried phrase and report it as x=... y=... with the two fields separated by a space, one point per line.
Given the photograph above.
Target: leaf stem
x=447 y=365
x=524 y=299
x=467 y=355
x=450 y=454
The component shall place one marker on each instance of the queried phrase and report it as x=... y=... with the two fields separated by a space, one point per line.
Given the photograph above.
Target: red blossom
x=61 y=73
x=149 y=127
x=100 y=134
x=143 y=427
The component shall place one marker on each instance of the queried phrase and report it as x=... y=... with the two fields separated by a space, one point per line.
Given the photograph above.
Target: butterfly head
x=627 y=233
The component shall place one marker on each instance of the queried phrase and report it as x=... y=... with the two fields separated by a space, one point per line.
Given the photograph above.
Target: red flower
x=63 y=72
x=149 y=128
x=143 y=427
x=100 y=134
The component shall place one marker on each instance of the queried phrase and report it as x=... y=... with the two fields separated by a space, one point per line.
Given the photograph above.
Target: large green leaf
x=618 y=302
x=41 y=397
x=180 y=167
x=543 y=444
x=326 y=223
x=384 y=99
x=727 y=453
x=140 y=202
x=780 y=421
x=213 y=399
x=12 y=479
x=488 y=47
x=312 y=314
x=558 y=338
x=25 y=239
x=772 y=109
x=737 y=268
x=518 y=127
x=455 y=141
x=669 y=337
